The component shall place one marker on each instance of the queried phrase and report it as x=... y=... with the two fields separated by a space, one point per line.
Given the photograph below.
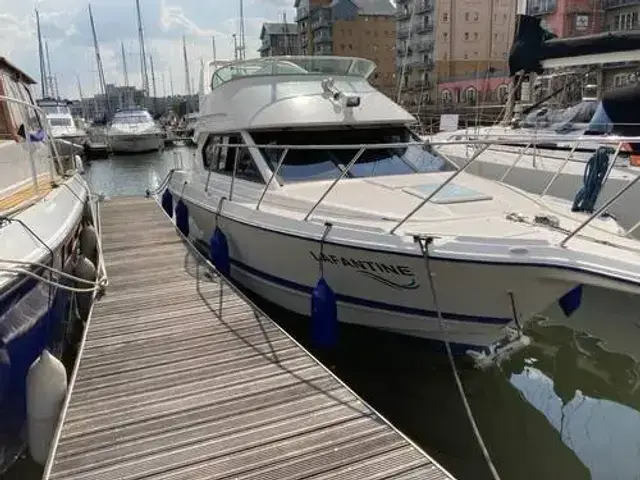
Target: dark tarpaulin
x=533 y=44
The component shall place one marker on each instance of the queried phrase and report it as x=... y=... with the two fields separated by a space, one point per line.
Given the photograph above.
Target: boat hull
x=135 y=143
x=380 y=289
x=33 y=313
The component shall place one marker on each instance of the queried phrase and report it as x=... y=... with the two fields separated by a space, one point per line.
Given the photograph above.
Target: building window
x=476 y=16
x=502 y=92
x=470 y=95
x=445 y=35
x=621 y=80
x=466 y=35
x=475 y=35
x=466 y=56
x=466 y=16
x=625 y=21
x=445 y=96
x=445 y=16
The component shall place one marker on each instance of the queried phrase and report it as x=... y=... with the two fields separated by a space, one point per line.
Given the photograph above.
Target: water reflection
x=567 y=407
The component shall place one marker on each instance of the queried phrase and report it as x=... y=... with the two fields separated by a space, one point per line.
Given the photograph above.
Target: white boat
x=134 y=131
x=45 y=210
x=70 y=139
x=302 y=163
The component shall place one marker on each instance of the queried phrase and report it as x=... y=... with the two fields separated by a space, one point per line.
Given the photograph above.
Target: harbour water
x=567 y=407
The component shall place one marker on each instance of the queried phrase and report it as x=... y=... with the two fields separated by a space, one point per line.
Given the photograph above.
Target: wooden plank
x=181 y=377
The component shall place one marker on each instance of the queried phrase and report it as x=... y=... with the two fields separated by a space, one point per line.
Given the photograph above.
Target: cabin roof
x=10 y=67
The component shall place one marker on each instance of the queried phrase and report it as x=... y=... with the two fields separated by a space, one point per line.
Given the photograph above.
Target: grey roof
x=373 y=7
x=279 y=29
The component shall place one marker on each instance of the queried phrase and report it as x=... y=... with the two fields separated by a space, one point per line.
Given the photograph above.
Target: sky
x=65 y=26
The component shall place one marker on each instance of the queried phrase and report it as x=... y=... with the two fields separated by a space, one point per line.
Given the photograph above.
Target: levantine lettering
x=366 y=265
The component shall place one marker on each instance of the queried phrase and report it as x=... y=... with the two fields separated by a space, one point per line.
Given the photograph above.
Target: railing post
x=440 y=187
x=600 y=210
x=355 y=158
x=513 y=165
x=273 y=175
x=233 y=176
x=557 y=174
x=206 y=186
x=612 y=163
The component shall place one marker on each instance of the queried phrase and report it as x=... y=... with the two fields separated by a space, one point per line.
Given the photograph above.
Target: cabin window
x=329 y=162
x=219 y=156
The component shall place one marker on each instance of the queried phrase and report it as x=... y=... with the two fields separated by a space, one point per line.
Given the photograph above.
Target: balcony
x=424 y=6
x=403 y=14
x=418 y=62
x=541 y=7
x=403 y=33
x=320 y=23
x=302 y=13
x=623 y=27
x=322 y=38
x=423 y=27
x=425 y=47
x=608 y=4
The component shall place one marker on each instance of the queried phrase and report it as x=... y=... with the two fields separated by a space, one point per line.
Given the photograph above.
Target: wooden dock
x=180 y=377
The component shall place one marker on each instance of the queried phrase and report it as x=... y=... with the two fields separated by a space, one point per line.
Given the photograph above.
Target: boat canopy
x=299 y=65
x=535 y=48
x=617 y=114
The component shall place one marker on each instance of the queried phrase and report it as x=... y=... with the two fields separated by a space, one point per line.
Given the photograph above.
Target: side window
x=211 y=153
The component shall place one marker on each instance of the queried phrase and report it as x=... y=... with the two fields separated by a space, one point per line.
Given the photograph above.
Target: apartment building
x=358 y=28
x=279 y=39
x=620 y=16
x=472 y=43
x=568 y=18
x=415 y=48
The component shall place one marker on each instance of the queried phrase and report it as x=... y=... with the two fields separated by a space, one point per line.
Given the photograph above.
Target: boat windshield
x=48 y=109
x=328 y=163
x=60 y=122
x=340 y=66
x=129 y=118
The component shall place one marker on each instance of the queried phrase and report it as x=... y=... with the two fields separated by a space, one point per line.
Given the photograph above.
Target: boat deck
x=180 y=377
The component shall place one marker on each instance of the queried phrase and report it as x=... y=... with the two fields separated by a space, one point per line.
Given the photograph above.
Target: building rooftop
x=371 y=7
x=278 y=29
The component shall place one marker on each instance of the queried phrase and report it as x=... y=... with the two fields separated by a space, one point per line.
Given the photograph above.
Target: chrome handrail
x=557 y=174
x=517 y=160
x=438 y=189
x=485 y=142
x=355 y=158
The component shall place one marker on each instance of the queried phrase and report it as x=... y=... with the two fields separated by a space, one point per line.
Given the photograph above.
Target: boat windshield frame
x=292 y=66
x=126 y=118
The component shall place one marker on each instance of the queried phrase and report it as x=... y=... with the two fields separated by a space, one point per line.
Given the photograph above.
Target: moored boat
x=308 y=171
x=134 y=131
x=47 y=234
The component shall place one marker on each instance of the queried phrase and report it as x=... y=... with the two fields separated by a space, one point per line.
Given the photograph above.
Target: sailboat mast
x=43 y=72
x=171 y=82
x=103 y=86
x=153 y=75
x=84 y=111
x=50 y=87
x=186 y=66
x=213 y=46
x=124 y=66
x=242 y=39
x=286 y=33
x=143 y=55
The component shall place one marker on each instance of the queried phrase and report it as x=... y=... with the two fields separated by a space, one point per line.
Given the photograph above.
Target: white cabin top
x=296 y=91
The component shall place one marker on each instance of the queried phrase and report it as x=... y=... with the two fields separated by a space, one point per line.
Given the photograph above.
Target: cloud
x=65 y=26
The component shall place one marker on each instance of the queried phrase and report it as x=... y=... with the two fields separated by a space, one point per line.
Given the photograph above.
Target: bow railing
x=480 y=143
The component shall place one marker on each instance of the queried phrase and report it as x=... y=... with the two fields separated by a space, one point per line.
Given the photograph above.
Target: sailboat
x=311 y=178
x=49 y=242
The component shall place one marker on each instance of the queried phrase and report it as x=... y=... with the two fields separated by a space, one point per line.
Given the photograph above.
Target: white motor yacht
x=309 y=171
x=134 y=131
x=70 y=139
x=45 y=210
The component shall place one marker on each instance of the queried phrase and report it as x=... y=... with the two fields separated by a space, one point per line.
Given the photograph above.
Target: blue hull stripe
x=371 y=303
